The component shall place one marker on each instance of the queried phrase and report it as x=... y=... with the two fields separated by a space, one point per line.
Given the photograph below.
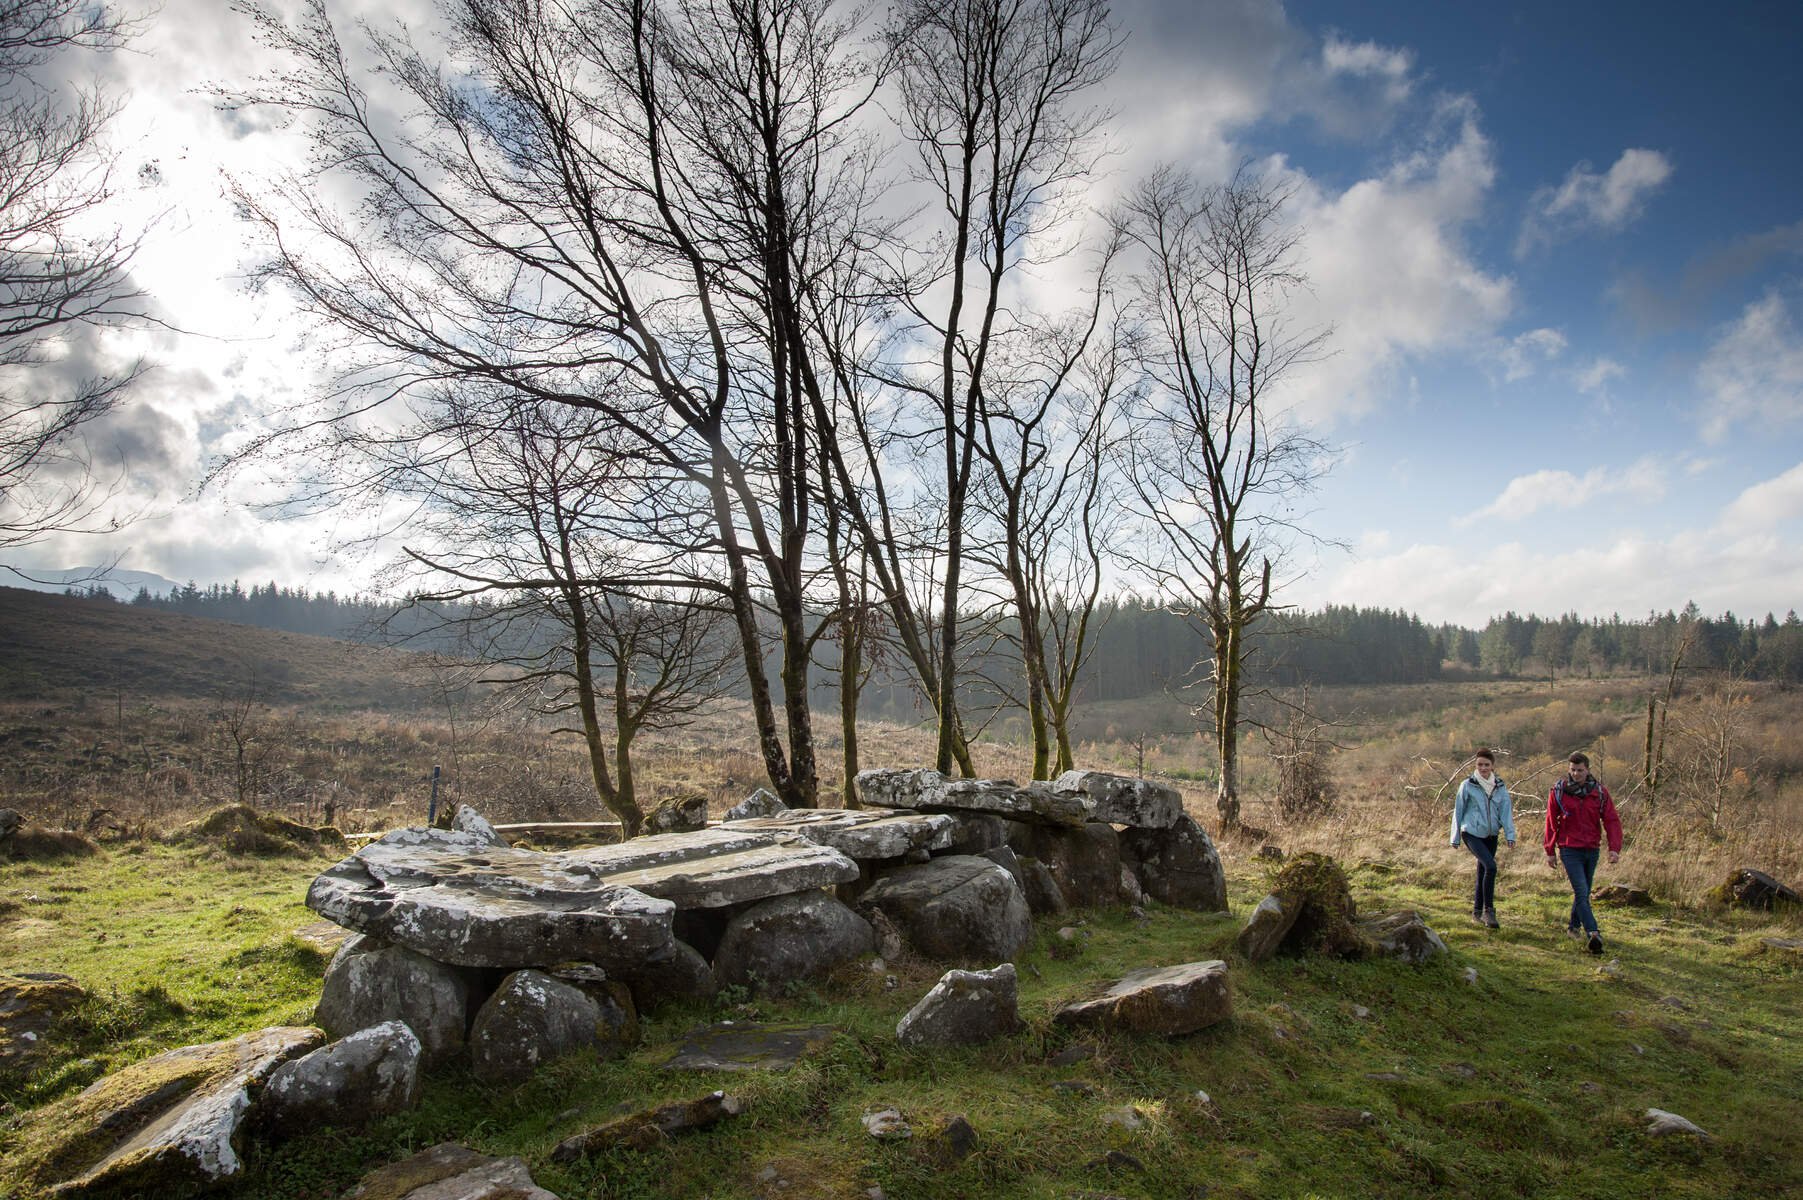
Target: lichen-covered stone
x=373 y=1073
x=468 y=820
x=959 y=908
x=929 y=791
x=1161 y=1001
x=685 y=975
x=1270 y=922
x=651 y=1128
x=719 y=867
x=370 y=982
x=31 y=1003
x=451 y=1172
x=965 y=1008
x=790 y=938
x=534 y=1017
x=862 y=834
x=1123 y=799
x=1402 y=935
x=1085 y=861
x=455 y=898
x=678 y=814
x=761 y=803
x=1177 y=865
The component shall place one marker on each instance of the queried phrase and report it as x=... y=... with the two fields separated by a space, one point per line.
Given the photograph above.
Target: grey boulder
x=1402 y=935
x=451 y=1172
x=685 y=975
x=761 y=803
x=719 y=867
x=457 y=899
x=965 y=1008
x=468 y=820
x=790 y=937
x=370 y=982
x=1161 y=1001
x=1122 y=799
x=31 y=1003
x=1177 y=865
x=1085 y=862
x=959 y=908
x=535 y=1017
x=370 y=1074
x=678 y=814
x=1268 y=925
x=929 y=791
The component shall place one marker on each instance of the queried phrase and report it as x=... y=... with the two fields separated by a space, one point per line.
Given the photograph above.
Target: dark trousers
x=1580 y=868
x=1484 y=850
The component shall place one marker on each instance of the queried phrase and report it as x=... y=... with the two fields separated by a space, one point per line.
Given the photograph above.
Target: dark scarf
x=1577 y=791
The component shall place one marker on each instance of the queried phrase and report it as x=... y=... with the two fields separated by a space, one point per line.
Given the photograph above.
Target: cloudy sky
x=1560 y=247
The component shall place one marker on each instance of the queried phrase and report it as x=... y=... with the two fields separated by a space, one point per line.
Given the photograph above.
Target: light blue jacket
x=1481 y=815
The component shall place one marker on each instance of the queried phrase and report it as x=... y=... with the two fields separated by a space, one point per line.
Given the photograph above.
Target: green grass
x=1491 y=1097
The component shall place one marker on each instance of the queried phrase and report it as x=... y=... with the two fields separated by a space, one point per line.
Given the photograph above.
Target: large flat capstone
x=859 y=833
x=718 y=867
x=929 y=791
x=457 y=898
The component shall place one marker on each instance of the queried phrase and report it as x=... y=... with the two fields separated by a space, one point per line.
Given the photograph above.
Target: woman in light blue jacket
x=1482 y=811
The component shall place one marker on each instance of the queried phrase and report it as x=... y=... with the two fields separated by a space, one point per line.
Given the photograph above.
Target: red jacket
x=1579 y=821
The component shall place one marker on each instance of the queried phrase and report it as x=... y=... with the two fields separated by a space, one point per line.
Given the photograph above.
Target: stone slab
x=929 y=791
x=731 y=1046
x=718 y=867
x=862 y=834
x=455 y=898
x=1123 y=799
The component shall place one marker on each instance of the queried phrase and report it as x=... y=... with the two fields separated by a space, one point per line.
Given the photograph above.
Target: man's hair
x=1485 y=753
x=1579 y=758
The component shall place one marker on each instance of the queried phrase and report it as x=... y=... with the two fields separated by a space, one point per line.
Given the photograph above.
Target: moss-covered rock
x=1326 y=918
x=31 y=1002
x=161 y=1127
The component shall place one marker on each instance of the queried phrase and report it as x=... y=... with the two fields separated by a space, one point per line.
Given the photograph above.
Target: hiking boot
x=1574 y=933
x=1490 y=920
x=1477 y=918
x=1596 y=943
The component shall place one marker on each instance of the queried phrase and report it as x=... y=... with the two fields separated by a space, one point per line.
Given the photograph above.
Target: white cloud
x=1764 y=506
x=1390 y=269
x=1522 y=355
x=1588 y=200
x=1629 y=574
x=1754 y=371
x=1528 y=494
x=1595 y=378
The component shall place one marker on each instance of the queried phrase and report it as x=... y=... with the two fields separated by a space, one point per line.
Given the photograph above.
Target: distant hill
x=58 y=646
x=121 y=583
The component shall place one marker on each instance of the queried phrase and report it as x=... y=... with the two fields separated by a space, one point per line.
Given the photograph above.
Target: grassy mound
x=32 y=844
x=241 y=829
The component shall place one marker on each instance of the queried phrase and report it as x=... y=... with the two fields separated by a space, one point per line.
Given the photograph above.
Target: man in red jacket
x=1578 y=812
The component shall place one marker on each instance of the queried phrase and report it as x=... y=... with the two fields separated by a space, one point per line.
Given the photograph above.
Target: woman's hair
x=1485 y=753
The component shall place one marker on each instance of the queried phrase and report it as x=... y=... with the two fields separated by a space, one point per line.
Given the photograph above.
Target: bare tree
x=1046 y=429
x=1714 y=762
x=593 y=193
x=528 y=519
x=55 y=172
x=992 y=99
x=1216 y=463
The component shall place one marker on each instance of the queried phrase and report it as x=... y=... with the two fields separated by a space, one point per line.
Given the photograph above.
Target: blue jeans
x=1484 y=850
x=1580 y=868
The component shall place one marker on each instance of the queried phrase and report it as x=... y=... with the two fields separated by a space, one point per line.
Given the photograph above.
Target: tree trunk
x=1227 y=721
